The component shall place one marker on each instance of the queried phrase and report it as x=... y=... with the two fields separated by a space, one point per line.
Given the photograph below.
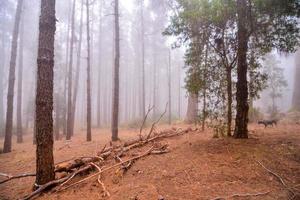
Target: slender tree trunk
x=44 y=94
x=169 y=85
x=179 y=92
x=20 y=85
x=241 y=123
x=11 y=80
x=296 y=93
x=70 y=76
x=89 y=109
x=77 y=68
x=115 y=98
x=204 y=109
x=191 y=115
x=143 y=59
x=229 y=95
x=99 y=70
x=154 y=85
x=66 y=74
x=2 y=64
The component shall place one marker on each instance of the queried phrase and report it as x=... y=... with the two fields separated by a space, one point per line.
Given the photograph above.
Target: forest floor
x=197 y=166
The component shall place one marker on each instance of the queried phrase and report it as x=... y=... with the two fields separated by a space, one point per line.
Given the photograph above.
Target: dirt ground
x=197 y=167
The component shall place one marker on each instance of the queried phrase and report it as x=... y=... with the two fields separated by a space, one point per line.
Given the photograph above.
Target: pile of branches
x=110 y=157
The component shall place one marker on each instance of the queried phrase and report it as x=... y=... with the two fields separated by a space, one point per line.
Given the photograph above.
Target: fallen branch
x=144 y=121
x=241 y=195
x=154 y=124
x=106 y=193
x=10 y=177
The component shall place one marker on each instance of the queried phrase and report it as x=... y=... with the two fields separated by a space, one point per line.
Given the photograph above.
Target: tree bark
x=229 y=103
x=77 y=68
x=88 y=113
x=44 y=94
x=11 y=80
x=115 y=98
x=191 y=115
x=20 y=85
x=70 y=76
x=241 y=122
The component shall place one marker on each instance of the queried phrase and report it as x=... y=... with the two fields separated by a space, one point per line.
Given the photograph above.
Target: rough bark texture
x=88 y=85
x=20 y=85
x=115 y=95
x=191 y=115
x=70 y=76
x=77 y=68
x=296 y=94
x=241 y=121
x=11 y=80
x=229 y=103
x=44 y=94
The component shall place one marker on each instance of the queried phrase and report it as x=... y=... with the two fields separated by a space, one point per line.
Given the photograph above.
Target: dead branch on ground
x=10 y=177
x=144 y=121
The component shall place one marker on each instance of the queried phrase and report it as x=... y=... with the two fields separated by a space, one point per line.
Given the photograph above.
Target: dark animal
x=267 y=122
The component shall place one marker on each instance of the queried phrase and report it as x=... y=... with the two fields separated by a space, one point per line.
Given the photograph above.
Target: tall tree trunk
x=192 y=109
x=204 y=89
x=2 y=64
x=70 y=76
x=229 y=96
x=44 y=94
x=296 y=93
x=66 y=73
x=76 y=86
x=99 y=70
x=169 y=88
x=179 y=91
x=88 y=85
x=154 y=83
x=143 y=59
x=20 y=85
x=11 y=80
x=115 y=95
x=241 y=121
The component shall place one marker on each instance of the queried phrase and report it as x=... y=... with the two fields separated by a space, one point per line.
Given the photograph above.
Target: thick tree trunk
x=241 y=121
x=44 y=94
x=20 y=85
x=229 y=103
x=11 y=80
x=77 y=68
x=191 y=115
x=115 y=95
x=70 y=76
x=88 y=85
x=296 y=93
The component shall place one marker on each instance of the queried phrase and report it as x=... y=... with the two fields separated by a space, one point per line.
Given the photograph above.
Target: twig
x=277 y=176
x=10 y=177
x=144 y=121
x=242 y=195
x=106 y=193
x=154 y=124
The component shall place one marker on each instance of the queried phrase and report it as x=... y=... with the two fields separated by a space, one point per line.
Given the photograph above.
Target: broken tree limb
x=154 y=123
x=106 y=193
x=144 y=121
x=10 y=177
